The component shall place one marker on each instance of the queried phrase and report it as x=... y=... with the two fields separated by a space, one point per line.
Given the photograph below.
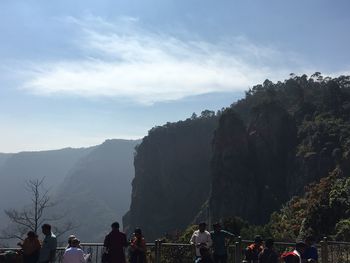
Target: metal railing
x=162 y=252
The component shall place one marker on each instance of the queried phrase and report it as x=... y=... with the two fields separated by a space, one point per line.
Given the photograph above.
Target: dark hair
x=300 y=244
x=202 y=224
x=217 y=224
x=115 y=225
x=138 y=231
x=46 y=226
x=258 y=239
x=269 y=242
x=31 y=234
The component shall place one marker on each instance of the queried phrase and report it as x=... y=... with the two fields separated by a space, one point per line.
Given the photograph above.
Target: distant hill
x=90 y=184
x=19 y=167
x=97 y=190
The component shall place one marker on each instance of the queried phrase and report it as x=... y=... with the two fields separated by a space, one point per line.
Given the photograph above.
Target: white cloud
x=125 y=61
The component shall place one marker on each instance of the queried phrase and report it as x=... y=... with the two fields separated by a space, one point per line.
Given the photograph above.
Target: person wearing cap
x=114 y=245
x=219 y=237
x=69 y=242
x=74 y=254
x=253 y=250
x=268 y=255
x=201 y=238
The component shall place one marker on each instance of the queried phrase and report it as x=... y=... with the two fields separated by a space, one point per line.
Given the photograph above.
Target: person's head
x=204 y=251
x=70 y=238
x=269 y=243
x=31 y=234
x=309 y=241
x=217 y=227
x=258 y=240
x=202 y=226
x=115 y=226
x=138 y=233
x=46 y=229
x=300 y=246
x=75 y=242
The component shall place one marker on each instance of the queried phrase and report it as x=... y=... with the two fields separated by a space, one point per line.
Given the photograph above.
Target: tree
x=31 y=217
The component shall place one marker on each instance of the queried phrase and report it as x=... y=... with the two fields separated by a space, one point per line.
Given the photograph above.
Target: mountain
x=90 y=186
x=97 y=190
x=172 y=176
x=17 y=168
x=247 y=161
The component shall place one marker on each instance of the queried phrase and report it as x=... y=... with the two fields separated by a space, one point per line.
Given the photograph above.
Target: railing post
x=238 y=250
x=158 y=249
x=324 y=250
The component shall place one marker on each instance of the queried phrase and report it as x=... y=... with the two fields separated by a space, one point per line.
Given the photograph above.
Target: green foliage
x=342 y=230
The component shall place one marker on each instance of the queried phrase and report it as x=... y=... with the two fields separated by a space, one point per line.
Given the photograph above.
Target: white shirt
x=200 y=237
x=73 y=255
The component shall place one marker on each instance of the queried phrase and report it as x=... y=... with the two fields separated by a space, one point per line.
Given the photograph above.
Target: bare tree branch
x=33 y=216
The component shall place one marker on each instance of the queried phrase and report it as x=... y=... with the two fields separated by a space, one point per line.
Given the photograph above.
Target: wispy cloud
x=126 y=61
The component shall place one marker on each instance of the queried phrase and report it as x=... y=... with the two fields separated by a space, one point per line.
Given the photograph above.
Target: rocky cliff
x=251 y=165
x=172 y=176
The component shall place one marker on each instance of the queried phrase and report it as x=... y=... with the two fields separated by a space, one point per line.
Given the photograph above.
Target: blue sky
x=75 y=73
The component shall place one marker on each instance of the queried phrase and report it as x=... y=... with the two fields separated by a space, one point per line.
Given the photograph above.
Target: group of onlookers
x=210 y=247
x=258 y=252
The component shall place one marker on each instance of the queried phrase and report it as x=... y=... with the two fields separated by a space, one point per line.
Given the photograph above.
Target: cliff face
x=251 y=165
x=172 y=178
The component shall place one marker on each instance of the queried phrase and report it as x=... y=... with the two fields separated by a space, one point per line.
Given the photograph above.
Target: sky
x=75 y=73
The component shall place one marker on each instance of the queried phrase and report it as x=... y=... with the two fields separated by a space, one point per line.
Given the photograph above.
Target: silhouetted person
x=114 y=243
x=201 y=238
x=310 y=254
x=218 y=237
x=31 y=248
x=253 y=250
x=49 y=245
x=138 y=247
x=268 y=255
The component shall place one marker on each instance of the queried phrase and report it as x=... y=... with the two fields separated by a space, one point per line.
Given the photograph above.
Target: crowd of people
x=258 y=252
x=209 y=247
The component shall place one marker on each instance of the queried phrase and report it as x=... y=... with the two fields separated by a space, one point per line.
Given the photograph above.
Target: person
x=218 y=237
x=69 y=242
x=205 y=256
x=74 y=254
x=31 y=248
x=138 y=247
x=295 y=255
x=114 y=243
x=268 y=255
x=310 y=254
x=253 y=250
x=49 y=245
x=201 y=238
